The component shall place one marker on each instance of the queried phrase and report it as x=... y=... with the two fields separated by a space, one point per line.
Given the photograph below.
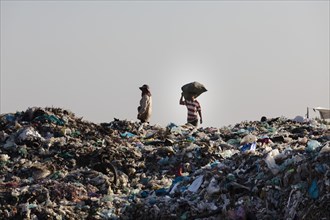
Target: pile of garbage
x=55 y=165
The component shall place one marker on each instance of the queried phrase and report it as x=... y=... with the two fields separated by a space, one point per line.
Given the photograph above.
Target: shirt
x=193 y=107
x=145 y=108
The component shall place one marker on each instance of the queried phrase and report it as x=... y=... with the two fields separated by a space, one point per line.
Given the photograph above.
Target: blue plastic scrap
x=127 y=134
x=249 y=146
x=314 y=190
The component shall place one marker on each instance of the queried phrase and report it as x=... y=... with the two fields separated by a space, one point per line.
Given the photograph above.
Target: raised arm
x=182 y=102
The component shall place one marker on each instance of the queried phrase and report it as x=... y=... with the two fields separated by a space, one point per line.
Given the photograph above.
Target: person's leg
x=194 y=122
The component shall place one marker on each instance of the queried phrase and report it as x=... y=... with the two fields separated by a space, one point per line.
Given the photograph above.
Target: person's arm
x=182 y=102
x=200 y=116
x=199 y=110
x=144 y=103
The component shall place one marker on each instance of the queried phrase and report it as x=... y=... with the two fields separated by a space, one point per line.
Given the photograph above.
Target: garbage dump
x=55 y=165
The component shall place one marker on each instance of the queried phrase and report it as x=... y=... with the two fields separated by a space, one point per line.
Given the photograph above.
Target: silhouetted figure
x=145 y=108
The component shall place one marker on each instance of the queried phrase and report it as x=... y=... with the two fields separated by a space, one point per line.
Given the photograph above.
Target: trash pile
x=55 y=165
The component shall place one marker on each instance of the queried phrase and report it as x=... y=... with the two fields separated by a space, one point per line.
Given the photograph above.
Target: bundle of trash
x=55 y=165
x=193 y=89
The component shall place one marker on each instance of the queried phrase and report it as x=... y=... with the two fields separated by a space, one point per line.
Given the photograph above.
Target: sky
x=256 y=58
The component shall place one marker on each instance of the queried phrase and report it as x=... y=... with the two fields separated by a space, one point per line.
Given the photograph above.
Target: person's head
x=145 y=89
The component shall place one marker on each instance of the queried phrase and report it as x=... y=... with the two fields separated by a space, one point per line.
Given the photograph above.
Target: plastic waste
x=50 y=118
x=249 y=139
x=299 y=119
x=313 y=190
x=191 y=138
x=10 y=117
x=270 y=161
x=249 y=146
x=29 y=133
x=228 y=153
x=127 y=134
x=325 y=149
x=196 y=184
x=4 y=157
x=312 y=145
x=193 y=173
x=213 y=187
x=161 y=192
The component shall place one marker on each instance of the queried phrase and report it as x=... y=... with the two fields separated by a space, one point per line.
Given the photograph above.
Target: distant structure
x=324 y=112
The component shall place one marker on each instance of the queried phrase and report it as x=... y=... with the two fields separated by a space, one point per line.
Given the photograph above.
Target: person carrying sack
x=194 y=110
x=190 y=92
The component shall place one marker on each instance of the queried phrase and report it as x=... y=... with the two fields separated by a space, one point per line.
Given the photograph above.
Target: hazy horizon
x=256 y=58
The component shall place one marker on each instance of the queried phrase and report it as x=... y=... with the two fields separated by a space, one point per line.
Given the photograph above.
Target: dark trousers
x=194 y=122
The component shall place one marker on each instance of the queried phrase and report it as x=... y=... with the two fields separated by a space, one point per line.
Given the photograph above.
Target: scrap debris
x=55 y=165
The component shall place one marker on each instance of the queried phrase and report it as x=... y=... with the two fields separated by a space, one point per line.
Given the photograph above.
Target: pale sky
x=256 y=58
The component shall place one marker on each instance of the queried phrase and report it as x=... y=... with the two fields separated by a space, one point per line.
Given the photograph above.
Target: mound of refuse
x=55 y=165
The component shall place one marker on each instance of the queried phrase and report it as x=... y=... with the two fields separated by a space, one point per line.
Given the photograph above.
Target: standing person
x=145 y=108
x=194 y=109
